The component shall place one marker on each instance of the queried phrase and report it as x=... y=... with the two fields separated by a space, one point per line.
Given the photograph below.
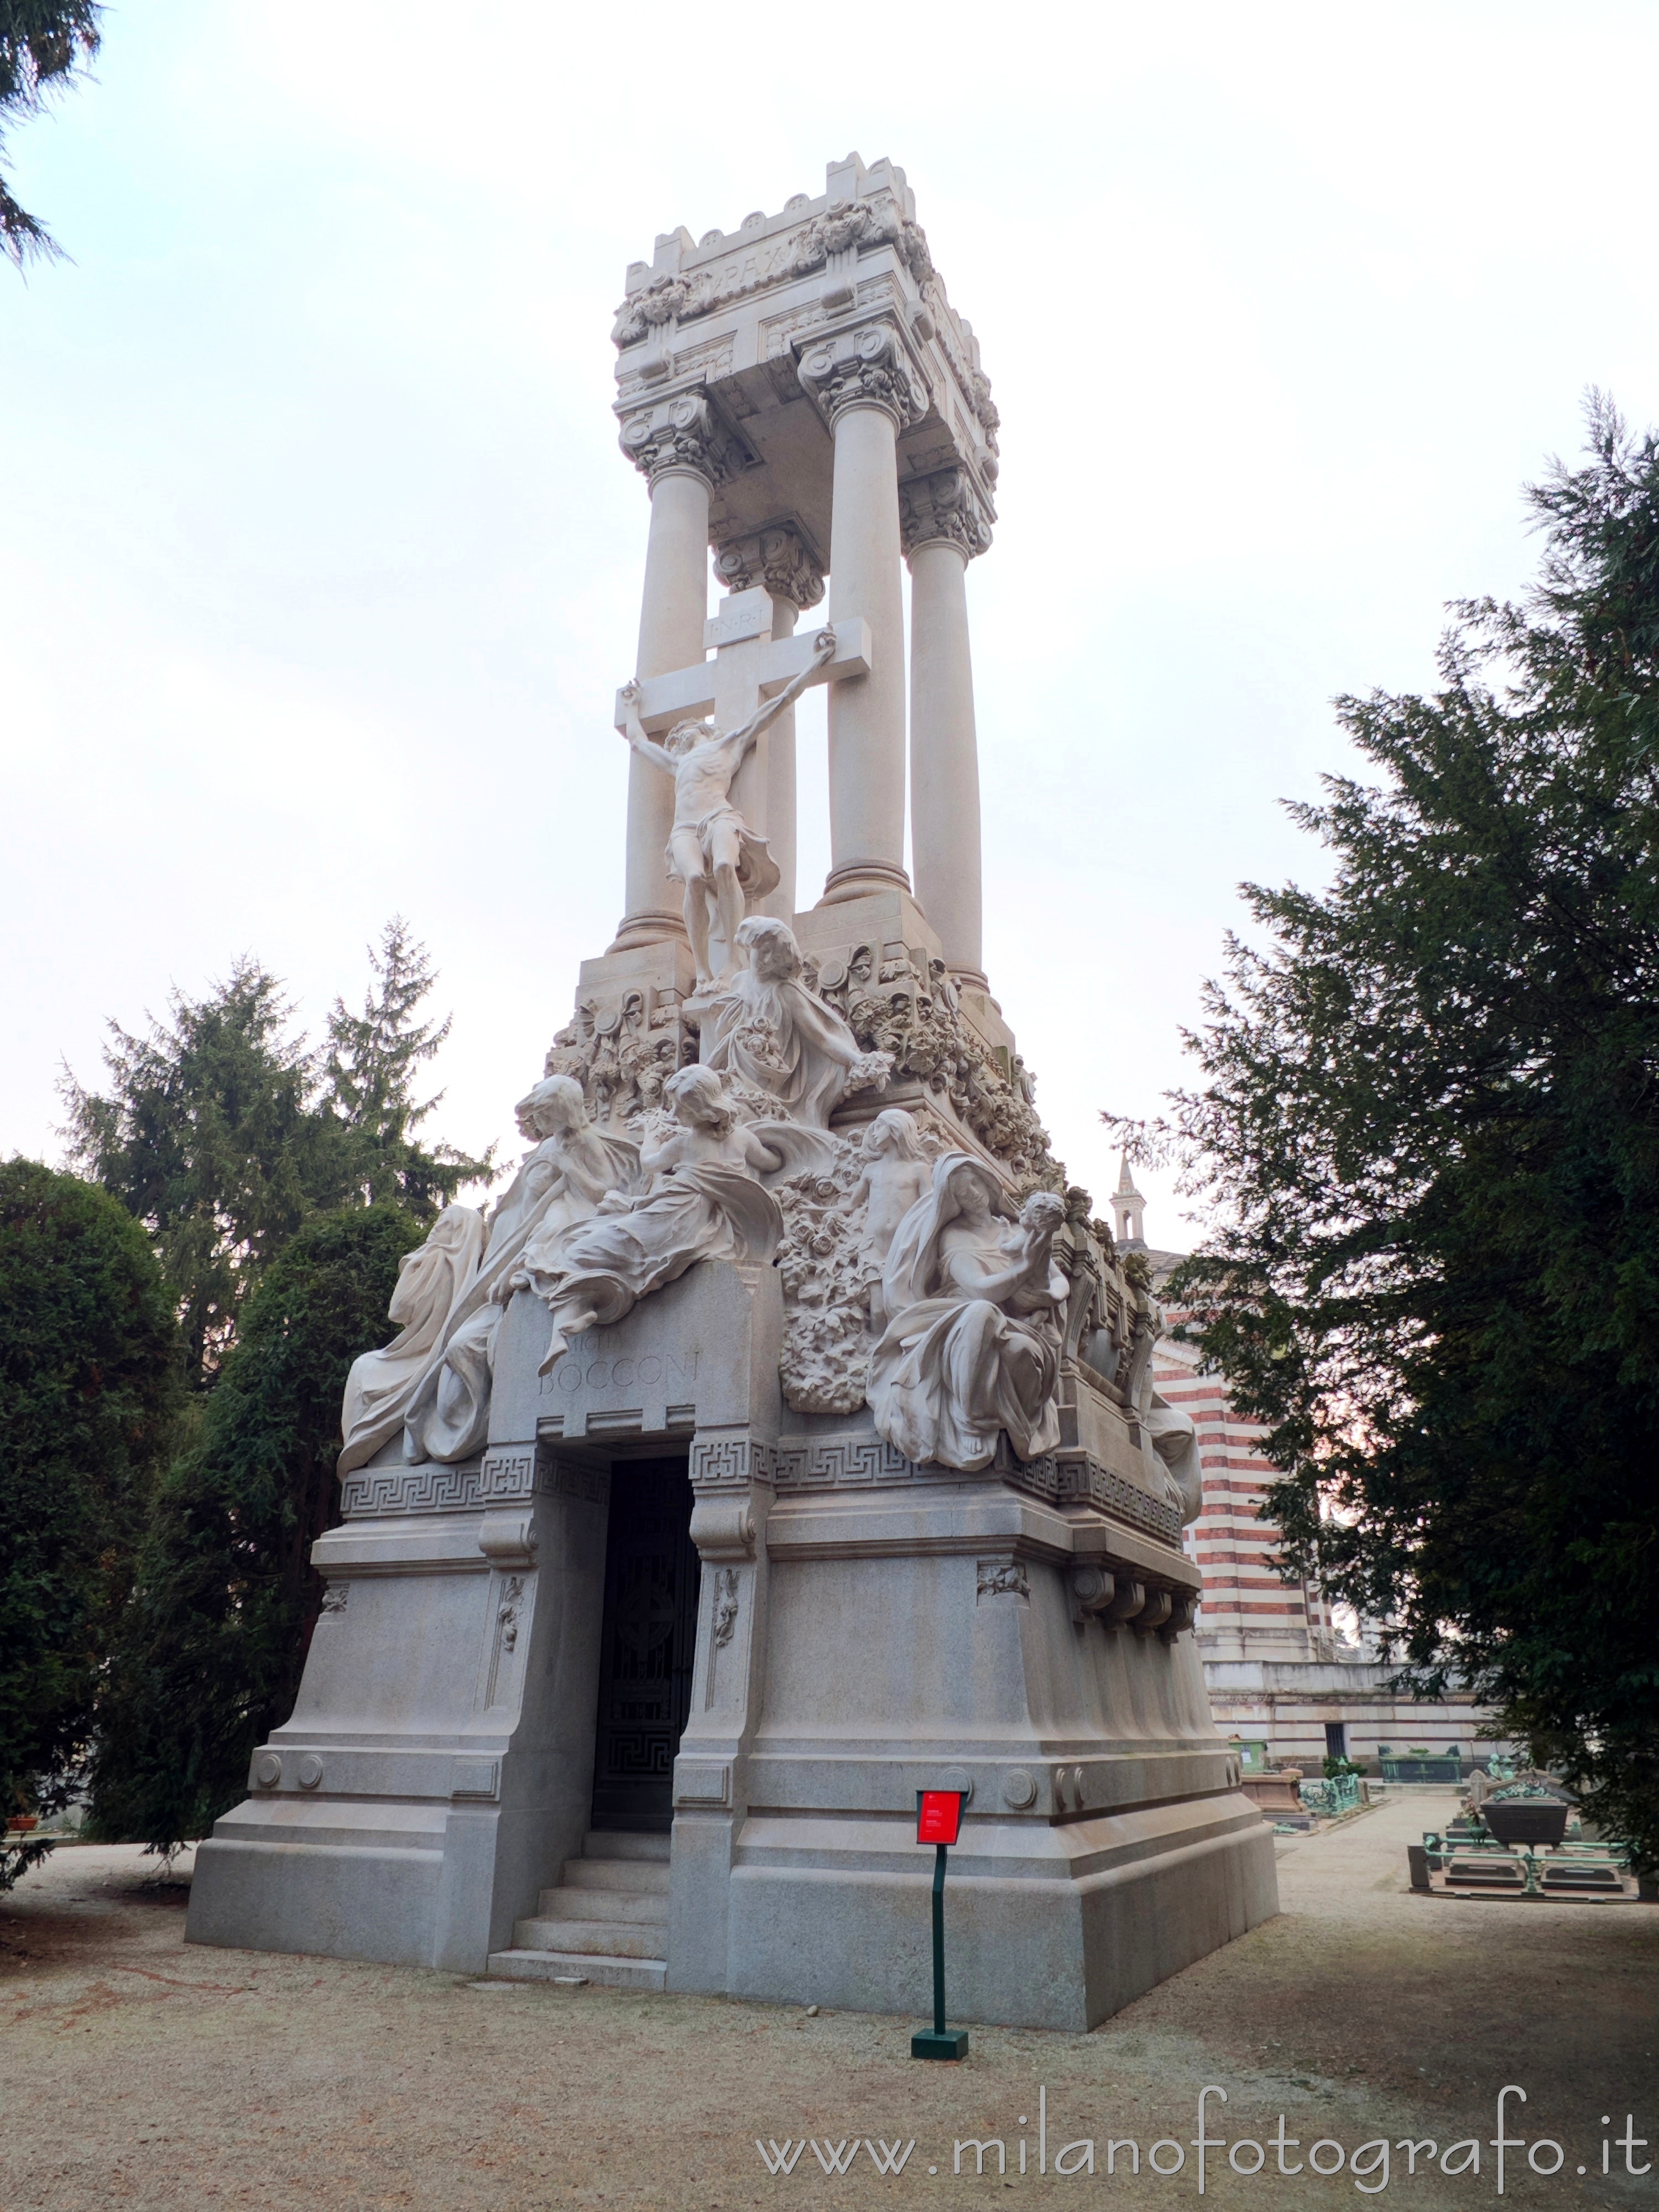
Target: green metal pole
x=938 y=1939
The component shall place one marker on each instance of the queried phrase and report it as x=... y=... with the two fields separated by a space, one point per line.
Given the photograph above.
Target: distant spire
x=1129 y=1208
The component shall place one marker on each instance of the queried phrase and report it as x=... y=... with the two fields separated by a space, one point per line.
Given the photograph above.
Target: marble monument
x=785 y=1440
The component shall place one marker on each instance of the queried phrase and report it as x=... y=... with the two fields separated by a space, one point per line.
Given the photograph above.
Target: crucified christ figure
x=712 y=850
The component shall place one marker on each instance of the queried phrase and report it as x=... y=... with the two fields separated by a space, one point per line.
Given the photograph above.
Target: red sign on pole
x=938 y=1815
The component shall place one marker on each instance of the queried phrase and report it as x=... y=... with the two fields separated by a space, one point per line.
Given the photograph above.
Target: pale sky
x=320 y=563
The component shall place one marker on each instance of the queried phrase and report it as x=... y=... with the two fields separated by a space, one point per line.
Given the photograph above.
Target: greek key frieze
x=731 y=1462
x=374 y=1492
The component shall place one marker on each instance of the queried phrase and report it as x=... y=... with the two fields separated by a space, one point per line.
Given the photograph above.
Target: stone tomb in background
x=786 y=1441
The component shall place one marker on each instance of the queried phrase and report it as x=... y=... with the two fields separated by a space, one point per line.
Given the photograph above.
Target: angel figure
x=972 y=1342
x=712 y=850
x=702 y=1200
x=898 y=1173
x=766 y=1029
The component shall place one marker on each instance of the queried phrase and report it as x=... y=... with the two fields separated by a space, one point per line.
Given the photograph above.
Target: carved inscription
x=579 y=1372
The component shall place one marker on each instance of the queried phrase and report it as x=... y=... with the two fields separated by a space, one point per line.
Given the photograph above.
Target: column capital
x=944 y=508
x=682 y=432
x=777 y=556
x=864 y=367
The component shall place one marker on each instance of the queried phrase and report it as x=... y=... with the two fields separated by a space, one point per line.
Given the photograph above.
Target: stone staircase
x=607 y=1920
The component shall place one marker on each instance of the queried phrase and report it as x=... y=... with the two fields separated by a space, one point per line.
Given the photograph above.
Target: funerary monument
x=784 y=1441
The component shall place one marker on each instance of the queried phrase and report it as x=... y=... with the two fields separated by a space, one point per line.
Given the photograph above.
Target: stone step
x=615 y=1874
x=649 y=1906
x=608 y=1938
x=613 y=1844
x=607 y=1972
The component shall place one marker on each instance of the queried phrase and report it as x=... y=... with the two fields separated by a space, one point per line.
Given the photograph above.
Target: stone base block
x=576 y=1965
x=338 y=1901
x=1045 y=1925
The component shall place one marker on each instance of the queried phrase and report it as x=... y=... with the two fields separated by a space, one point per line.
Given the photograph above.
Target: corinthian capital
x=776 y=557
x=943 y=506
x=863 y=368
x=684 y=433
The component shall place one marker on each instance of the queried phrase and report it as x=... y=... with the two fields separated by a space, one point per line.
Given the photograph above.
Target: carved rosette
x=684 y=433
x=943 y=506
x=776 y=557
x=863 y=368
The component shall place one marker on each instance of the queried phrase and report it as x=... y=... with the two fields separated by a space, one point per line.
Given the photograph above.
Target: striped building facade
x=1281 y=1670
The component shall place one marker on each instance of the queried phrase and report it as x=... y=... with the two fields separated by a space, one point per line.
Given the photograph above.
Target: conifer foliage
x=90 y=1389
x=1431 y=1127
x=209 y=1656
x=223 y=1133
x=42 y=44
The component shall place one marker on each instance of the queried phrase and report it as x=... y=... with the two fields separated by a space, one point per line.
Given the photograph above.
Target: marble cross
x=750 y=666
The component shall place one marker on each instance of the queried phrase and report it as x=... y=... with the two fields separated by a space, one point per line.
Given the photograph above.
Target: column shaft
x=944 y=820
x=778 y=786
x=673 y=611
x=866 y=713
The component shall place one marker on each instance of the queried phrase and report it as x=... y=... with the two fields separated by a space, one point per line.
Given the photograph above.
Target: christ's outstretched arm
x=634 y=731
x=824 y=649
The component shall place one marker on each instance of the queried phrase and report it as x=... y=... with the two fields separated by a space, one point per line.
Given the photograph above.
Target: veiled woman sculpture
x=560 y=1183
x=767 y=1029
x=432 y=1280
x=972 y=1342
x=702 y=1202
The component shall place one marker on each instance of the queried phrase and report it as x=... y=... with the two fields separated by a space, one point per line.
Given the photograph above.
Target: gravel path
x=137 y=2071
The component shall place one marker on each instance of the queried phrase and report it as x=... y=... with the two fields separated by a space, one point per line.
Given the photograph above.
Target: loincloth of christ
x=757 y=871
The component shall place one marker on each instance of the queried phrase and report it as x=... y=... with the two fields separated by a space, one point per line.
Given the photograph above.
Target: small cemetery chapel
x=785 y=1440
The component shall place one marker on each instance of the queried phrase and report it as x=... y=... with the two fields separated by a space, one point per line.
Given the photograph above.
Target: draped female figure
x=432 y=1280
x=702 y=1201
x=559 y=1184
x=972 y=1342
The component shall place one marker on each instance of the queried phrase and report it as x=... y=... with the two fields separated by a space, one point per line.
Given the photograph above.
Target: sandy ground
x=139 y=2070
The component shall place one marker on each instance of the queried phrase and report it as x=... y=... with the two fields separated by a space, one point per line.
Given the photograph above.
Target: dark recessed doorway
x=650 y=1644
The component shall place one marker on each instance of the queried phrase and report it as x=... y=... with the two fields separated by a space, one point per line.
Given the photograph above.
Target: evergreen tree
x=1431 y=1128
x=42 y=44
x=210 y=1134
x=223 y=1133
x=89 y=1394
x=368 y=1070
x=209 y=1654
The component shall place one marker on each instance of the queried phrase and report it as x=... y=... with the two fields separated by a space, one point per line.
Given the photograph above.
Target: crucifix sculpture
x=720 y=857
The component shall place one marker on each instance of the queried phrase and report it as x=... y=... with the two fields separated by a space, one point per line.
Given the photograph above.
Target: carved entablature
x=864 y=367
x=682 y=433
x=733 y=318
x=943 y=506
x=777 y=556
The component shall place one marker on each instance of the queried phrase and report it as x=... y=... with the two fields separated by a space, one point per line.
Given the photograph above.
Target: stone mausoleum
x=786 y=1439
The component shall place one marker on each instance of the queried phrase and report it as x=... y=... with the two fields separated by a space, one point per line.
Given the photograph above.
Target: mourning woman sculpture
x=702 y=1202
x=431 y=1282
x=972 y=1342
x=560 y=1183
x=767 y=1030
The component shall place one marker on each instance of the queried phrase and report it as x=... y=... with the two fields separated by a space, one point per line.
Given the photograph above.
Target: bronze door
x=650 y=1644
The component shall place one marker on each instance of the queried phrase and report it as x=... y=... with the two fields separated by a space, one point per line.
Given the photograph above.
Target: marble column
x=764 y=792
x=943 y=529
x=865 y=392
x=679 y=448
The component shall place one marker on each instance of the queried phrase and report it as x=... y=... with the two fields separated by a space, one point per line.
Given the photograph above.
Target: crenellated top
x=779 y=324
